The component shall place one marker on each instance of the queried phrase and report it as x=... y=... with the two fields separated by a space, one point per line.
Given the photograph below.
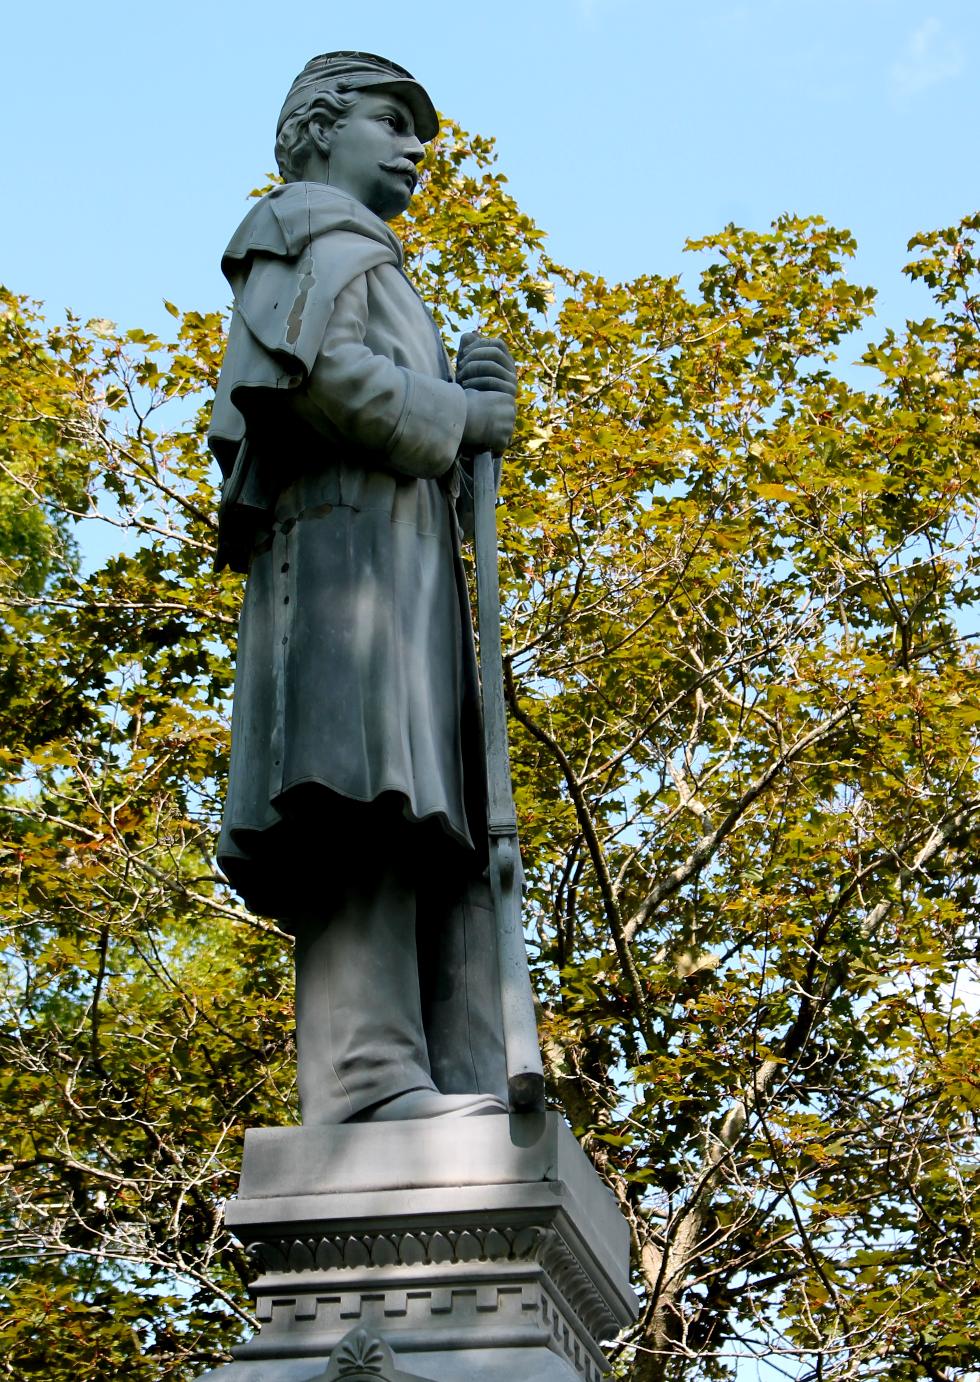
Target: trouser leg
x=359 y=1028
x=459 y=982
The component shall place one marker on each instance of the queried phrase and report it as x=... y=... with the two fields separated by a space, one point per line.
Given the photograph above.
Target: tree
x=740 y=590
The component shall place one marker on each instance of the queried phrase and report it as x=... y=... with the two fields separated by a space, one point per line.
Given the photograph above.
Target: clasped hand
x=485 y=370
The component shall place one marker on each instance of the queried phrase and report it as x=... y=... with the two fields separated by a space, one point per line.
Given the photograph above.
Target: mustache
x=400 y=165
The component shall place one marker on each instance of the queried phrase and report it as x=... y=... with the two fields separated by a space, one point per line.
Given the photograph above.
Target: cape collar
x=288 y=218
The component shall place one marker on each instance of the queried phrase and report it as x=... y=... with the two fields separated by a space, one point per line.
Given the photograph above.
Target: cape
x=313 y=240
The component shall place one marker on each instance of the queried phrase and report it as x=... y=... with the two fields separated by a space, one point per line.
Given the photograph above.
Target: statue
x=369 y=805
x=356 y=812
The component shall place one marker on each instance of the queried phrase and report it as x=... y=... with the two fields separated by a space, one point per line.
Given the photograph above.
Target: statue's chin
x=390 y=210
x=392 y=200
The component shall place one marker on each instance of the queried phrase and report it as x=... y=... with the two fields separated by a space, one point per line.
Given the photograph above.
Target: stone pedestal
x=480 y=1248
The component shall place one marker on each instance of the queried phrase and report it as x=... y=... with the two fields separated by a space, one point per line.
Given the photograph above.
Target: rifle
x=525 y=1080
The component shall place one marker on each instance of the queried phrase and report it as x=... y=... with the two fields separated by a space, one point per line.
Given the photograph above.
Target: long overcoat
x=338 y=427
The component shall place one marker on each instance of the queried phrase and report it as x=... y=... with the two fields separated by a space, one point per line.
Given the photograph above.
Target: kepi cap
x=350 y=71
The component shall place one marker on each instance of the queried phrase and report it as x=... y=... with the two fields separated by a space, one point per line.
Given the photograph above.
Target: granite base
x=474 y=1248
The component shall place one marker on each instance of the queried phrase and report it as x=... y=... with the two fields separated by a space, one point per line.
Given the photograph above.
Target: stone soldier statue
x=355 y=812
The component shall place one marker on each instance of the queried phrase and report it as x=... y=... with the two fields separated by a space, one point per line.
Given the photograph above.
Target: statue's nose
x=414 y=149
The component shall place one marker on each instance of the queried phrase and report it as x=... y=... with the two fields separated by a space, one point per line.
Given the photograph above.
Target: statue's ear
x=320 y=134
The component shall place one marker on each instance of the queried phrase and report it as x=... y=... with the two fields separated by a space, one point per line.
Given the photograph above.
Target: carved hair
x=329 y=107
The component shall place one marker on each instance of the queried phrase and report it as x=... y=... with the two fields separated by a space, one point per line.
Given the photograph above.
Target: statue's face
x=374 y=154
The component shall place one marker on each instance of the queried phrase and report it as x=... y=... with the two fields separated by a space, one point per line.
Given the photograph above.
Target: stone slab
x=356 y=1167
x=495 y=1149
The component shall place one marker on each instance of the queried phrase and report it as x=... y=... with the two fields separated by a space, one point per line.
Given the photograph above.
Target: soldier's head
x=356 y=122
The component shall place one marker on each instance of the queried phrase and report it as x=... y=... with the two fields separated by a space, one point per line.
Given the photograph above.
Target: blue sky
x=131 y=132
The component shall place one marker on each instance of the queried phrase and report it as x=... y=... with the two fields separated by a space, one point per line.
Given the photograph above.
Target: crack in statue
x=356 y=805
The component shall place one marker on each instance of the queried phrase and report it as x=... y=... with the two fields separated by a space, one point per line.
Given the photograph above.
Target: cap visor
x=415 y=97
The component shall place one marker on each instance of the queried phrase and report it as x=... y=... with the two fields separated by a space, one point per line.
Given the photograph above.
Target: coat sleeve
x=415 y=419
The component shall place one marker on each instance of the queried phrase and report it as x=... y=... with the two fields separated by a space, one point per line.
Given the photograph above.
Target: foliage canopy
x=740 y=590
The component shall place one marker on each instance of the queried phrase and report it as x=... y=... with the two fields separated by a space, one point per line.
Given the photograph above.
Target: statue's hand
x=485 y=363
x=490 y=419
x=486 y=371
